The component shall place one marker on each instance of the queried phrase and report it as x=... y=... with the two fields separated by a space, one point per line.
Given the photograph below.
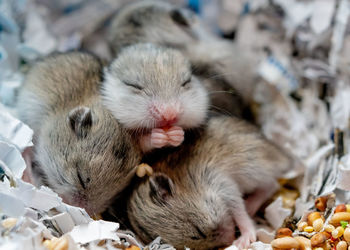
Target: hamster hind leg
x=245 y=225
x=255 y=200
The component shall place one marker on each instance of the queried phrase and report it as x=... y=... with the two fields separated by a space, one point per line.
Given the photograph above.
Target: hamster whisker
x=221 y=110
x=221 y=91
x=216 y=76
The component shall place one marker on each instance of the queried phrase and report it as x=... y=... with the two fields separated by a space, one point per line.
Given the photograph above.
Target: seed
x=312 y=217
x=141 y=170
x=340 y=208
x=305 y=243
x=9 y=223
x=149 y=170
x=329 y=228
x=60 y=244
x=342 y=245
x=318 y=225
x=318 y=239
x=321 y=203
x=337 y=217
x=301 y=226
x=133 y=248
x=285 y=243
x=283 y=232
x=309 y=229
x=338 y=232
x=347 y=208
x=347 y=234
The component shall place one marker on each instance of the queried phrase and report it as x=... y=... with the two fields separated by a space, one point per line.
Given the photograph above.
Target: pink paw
x=245 y=239
x=159 y=138
x=175 y=135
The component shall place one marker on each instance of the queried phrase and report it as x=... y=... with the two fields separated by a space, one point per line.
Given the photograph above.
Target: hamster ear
x=80 y=120
x=135 y=20
x=161 y=187
x=181 y=16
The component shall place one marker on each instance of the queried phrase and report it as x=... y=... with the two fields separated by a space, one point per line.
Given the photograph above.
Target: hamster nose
x=169 y=114
x=166 y=114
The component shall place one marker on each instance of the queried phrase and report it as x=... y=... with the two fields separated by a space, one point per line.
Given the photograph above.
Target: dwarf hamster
x=81 y=151
x=229 y=72
x=150 y=89
x=195 y=196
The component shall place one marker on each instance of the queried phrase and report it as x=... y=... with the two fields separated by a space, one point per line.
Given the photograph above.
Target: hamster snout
x=165 y=114
x=78 y=200
x=225 y=232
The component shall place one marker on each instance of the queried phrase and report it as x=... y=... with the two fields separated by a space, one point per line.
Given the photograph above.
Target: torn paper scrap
x=95 y=230
x=14 y=131
x=275 y=213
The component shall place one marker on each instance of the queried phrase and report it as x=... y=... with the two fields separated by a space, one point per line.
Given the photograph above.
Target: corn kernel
x=301 y=226
x=309 y=229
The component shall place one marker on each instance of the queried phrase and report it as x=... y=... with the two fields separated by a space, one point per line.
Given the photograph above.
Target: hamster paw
x=159 y=138
x=175 y=135
x=245 y=239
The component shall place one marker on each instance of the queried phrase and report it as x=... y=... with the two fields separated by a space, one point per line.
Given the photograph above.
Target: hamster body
x=151 y=90
x=228 y=71
x=81 y=151
x=195 y=196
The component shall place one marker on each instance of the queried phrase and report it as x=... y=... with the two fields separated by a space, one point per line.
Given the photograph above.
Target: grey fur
x=226 y=72
x=81 y=150
x=160 y=72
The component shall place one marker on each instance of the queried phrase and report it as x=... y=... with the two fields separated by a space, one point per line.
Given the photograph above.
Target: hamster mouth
x=164 y=124
x=78 y=200
x=227 y=233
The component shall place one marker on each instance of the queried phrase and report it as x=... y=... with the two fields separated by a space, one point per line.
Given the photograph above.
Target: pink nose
x=169 y=114
x=165 y=114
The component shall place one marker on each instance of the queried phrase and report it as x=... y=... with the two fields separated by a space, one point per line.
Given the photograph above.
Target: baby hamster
x=195 y=196
x=81 y=151
x=151 y=90
x=229 y=72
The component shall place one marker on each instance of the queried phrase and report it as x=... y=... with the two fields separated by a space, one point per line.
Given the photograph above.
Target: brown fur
x=209 y=175
x=81 y=151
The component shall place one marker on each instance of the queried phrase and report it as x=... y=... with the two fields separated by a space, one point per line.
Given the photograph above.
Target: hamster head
x=198 y=217
x=85 y=157
x=148 y=86
x=155 y=22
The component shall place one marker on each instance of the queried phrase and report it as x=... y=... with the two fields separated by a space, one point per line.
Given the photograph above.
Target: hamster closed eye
x=151 y=90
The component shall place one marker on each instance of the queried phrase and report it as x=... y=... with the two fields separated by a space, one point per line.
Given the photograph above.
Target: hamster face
x=198 y=219
x=154 y=22
x=148 y=86
x=88 y=160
